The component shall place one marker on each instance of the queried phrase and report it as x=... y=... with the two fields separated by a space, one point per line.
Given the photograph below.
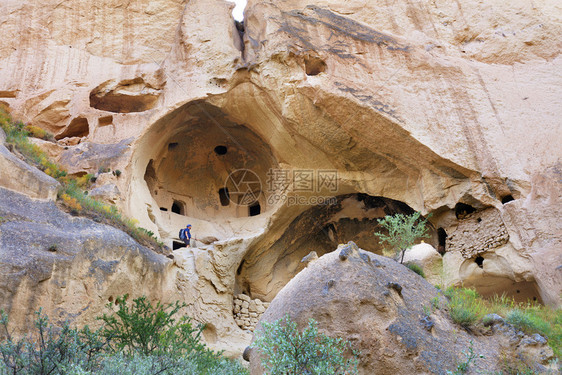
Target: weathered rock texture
x=72 y=267
x=378 y=305
x=426 y=104
x=17 y=175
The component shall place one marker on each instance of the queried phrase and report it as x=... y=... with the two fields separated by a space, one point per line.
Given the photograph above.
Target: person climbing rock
x=185 y=235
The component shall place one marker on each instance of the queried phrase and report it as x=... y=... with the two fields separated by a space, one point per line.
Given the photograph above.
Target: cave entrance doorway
x=441 y=240
x=178 y=207
x=178 y=245
x=521 y=292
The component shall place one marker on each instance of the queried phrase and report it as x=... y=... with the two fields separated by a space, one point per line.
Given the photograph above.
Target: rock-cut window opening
x=507 y=198
x=314 y=65
x=254 y=209
x=178 y=208
x=224 y=197
x=462 y=209
x=479 y=261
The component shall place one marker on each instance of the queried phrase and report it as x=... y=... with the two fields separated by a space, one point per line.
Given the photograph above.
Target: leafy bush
x=141 y=339
x=416 y=268
x=526 y=321
x=150 y=329
x=287 y=351
x=402 y=231
x=49 y=350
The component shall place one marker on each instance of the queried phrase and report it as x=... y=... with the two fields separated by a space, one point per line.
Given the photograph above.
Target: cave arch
x=188 y=156
x=265 y=270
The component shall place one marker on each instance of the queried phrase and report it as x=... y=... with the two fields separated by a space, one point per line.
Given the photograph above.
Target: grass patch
x=467 y=309
x=465 y=306
x=72 y=195
x=416 y=268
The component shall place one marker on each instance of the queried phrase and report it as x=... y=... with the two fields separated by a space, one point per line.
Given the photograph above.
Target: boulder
x=427 y=257
x=108 y=193
x=378 y=305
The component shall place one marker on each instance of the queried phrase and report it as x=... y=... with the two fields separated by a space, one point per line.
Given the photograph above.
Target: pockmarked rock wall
x=426 y=104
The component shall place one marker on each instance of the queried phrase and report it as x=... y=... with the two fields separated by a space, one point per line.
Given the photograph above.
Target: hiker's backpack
x=182 y=235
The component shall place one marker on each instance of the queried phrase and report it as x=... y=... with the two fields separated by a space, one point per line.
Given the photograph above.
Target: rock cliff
x=374 y=108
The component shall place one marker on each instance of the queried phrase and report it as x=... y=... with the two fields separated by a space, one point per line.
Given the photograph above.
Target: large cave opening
x=265 y=270
x=193 y=151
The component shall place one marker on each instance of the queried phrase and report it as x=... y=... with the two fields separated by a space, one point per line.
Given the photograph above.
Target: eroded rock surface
x=378 y=305
x=17 y=175
x=428 y=105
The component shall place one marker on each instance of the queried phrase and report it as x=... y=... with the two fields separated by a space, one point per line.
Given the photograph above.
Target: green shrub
x=149 y=329
x=286 y=351
x=142 y=339
x=416 y=268
x=49 y=350
x=401 y=232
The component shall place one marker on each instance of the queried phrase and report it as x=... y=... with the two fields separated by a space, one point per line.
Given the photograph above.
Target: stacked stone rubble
x=247 y=311
x=477 y=233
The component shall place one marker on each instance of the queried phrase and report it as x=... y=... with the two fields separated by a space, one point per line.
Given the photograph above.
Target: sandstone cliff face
x=435 y=106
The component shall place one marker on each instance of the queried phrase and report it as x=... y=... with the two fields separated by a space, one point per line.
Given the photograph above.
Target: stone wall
x=247 y=311
x=477 y=233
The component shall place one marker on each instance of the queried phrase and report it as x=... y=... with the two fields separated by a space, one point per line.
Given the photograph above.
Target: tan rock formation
x=17 y=175
x=424 y=105
x=425 y=256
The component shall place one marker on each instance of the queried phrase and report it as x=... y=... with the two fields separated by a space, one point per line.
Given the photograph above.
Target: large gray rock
x=378 y=305
x=69 y=266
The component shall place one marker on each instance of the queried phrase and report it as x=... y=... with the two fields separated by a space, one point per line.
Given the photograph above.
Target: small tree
x=403 y=231
x=286 y=351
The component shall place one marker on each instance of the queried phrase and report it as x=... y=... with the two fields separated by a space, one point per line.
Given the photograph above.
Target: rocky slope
x=446 y=108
